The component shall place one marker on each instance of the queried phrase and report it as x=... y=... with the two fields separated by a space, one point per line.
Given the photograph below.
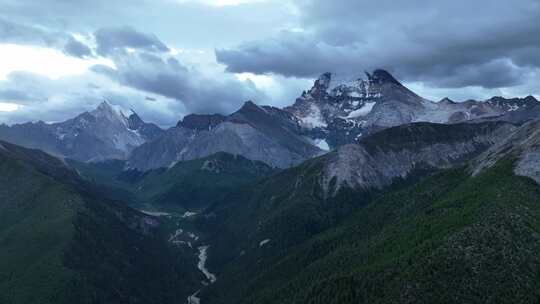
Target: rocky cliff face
x=380 y=159
x=523 y=145
x=259 y=133
x=201 y=122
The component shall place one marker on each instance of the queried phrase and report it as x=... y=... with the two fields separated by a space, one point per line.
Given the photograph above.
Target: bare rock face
x=523 y=145
x=259 y=133
x=201 y=122
x=394 y=153
x=529 y=165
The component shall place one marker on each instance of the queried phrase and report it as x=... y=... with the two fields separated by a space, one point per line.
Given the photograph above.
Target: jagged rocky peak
x=110 y=112
x=248 y=107
x=526 y=100
x=380 y=76
x=134 y=121
x=447 y=100
x=531 y=98
x=201 y=121
x=104 y=107
x=329 y=86
x=513 y=104
x=322 y=84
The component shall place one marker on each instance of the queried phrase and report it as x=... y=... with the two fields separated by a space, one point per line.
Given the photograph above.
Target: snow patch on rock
x=363 y=111
x=314 y=119
x=264 y=242
x=322 y=144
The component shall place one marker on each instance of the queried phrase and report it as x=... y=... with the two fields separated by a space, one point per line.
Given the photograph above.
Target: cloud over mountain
x=449 y=44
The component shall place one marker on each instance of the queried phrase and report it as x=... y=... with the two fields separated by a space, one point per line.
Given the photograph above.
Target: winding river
x=203 y=256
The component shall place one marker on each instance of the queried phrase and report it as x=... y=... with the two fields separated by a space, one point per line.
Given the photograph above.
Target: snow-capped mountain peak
x=102 y=133
x=112 y=113
x=343 y=111
x=380 y=77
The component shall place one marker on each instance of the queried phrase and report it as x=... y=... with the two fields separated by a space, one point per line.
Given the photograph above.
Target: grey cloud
x=185 y=24
x=167 y=77
x=14 y=95
x=110 y=40
x=447 y=44
x=76 y=48
x=13 y=32
x=60 y=99
x=490 y=75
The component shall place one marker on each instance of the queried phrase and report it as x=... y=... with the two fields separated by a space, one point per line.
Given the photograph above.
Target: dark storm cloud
x=446 y=44
x=110 y=40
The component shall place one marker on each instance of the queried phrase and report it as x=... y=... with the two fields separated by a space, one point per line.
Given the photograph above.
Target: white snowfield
x=322 y=144
x=363 y=111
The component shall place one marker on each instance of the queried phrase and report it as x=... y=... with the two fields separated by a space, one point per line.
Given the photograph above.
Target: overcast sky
x=168 y=58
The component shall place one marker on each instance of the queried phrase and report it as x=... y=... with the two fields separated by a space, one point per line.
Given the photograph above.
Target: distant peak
x=104 y=105
x=531 y=98
x=133 y=114
x=501 y=99
x=447 y=100
x=327 y=76
x=323 y=82
x=321 y=85
x=105 y=109
x=250 y=105
x=381 y=76
x=201 y=121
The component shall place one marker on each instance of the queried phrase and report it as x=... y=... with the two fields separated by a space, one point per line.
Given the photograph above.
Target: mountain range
x=360 y=192
x=331 y=114
x=104 y=133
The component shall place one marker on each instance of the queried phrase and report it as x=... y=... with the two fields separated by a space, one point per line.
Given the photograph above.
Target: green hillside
x=451 y=238
x=191 y=185
x=63 y=244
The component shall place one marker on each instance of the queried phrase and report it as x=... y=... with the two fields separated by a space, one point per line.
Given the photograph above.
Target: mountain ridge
x=102 y=133
x=331 y=114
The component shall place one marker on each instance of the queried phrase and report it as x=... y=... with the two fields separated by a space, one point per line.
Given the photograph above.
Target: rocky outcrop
x=522 y=145
x=201 y=122
x=394 y=153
